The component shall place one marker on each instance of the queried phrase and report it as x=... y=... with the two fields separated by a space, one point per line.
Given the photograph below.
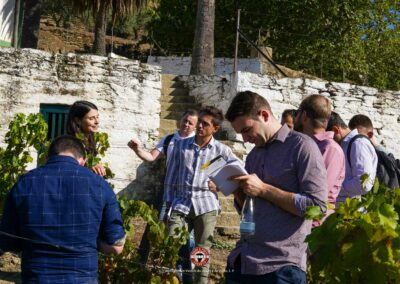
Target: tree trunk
x=31 y=24
x=203 y=45
x=99 y=45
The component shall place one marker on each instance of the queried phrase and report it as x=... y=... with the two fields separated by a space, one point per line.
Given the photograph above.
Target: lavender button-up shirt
x=292 y=162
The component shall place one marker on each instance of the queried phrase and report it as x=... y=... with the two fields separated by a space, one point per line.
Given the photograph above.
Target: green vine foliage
x=24 y=133
x=360 y=242
x=126 y=268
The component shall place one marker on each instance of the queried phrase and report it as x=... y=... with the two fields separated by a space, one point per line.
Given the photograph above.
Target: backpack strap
x=351 y=143
x=166 y=144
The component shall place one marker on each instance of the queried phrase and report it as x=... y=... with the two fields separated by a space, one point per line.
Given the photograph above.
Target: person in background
x=286 y=175
x=83 y=118
x=192 y=195
x=312 y=118
x=288 y=116
x=362 y=159
x=59 y=215
x=187 y=127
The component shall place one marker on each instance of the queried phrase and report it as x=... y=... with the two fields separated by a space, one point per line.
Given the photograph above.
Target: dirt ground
x=10 y=264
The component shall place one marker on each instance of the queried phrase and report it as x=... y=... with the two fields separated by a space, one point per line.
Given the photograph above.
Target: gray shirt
x=292 y=162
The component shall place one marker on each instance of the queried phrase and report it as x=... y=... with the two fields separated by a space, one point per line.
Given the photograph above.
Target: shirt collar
x=60 y=158
x=280 y=135
x=351 y=134
x=324 y=135
x=209 y=145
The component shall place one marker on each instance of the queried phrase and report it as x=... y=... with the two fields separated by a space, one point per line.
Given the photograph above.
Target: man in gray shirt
x=286 y=175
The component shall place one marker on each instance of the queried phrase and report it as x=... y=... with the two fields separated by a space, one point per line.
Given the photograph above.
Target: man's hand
x=250 y=184
x=134 y=144
x=212 y=186
x=99 y=169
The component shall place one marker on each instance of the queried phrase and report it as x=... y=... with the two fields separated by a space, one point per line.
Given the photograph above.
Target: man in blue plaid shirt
x=189 y=192
x=59 y=215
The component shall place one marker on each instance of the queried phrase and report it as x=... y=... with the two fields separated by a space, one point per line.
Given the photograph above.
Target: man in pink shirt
x=312 y=119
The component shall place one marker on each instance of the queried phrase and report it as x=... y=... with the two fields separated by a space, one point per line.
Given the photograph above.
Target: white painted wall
x=126 y=92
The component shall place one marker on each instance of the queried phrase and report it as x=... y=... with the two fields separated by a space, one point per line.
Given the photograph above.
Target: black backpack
x=388 y=169
x=166 y=144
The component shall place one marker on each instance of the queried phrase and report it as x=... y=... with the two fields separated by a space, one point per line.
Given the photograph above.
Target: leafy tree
x=100 y=10
x=203 y=45
x=347 y=40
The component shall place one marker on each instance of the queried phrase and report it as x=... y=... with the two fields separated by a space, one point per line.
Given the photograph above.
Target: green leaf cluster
x=359 y=243
x=24 y=133
x=126 y=268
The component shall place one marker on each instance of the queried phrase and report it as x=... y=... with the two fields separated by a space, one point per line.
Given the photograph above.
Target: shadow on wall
x=149 y=183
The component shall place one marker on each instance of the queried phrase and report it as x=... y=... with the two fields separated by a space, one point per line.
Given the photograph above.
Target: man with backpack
x=361 y=159
x=187 y=127
x=388 y=169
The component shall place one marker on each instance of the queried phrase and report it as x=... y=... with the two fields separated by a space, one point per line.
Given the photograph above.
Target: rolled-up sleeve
x=312 y=177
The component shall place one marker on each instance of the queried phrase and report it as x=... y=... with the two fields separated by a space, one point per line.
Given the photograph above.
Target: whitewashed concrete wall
x=126 y=92
x=383 y=107
x=181 y=65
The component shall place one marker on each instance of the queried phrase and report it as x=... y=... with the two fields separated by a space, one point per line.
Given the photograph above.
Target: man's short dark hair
x=289 y=112
x=67 y=143
x=318 y=109
x=360 y=120
x=335 y=120
x=191 y=112
x=248 y=104
x=215 y=113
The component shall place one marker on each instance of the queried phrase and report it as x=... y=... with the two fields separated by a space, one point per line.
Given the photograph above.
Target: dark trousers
x=288 y=274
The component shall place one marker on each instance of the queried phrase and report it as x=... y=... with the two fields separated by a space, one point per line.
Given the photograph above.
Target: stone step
x=232 y=231
x=169 y=124
x=227 y=204
x=165 y=131
x=177 y=99
x=167 y=114
x=228 y=219
x=177 y=107
x=168 y=91
x=168 y=80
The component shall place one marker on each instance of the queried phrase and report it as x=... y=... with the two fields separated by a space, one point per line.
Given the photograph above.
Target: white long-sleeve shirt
x=363 y=160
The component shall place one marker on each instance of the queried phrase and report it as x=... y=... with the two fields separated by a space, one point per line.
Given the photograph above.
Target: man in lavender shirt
x=311 y=119
x=286 y=175
x=362 y=160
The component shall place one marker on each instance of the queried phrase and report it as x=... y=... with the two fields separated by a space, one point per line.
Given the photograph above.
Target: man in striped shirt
x=189 y=191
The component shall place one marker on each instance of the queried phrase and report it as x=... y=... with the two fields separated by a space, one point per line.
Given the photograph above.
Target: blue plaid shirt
x=186 y=185
x=63 y=204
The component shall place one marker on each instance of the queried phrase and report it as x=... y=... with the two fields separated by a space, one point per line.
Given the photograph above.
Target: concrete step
x=227 y=204
x=169 y=80
x=228 y=219
x=169 y=124
x=177 y=99
x=177 y=107
x=168 y=91
x=167 y=114
x=232 y=231
x=165 y=131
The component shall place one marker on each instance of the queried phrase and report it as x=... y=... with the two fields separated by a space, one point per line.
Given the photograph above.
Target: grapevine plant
x=360 y=242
